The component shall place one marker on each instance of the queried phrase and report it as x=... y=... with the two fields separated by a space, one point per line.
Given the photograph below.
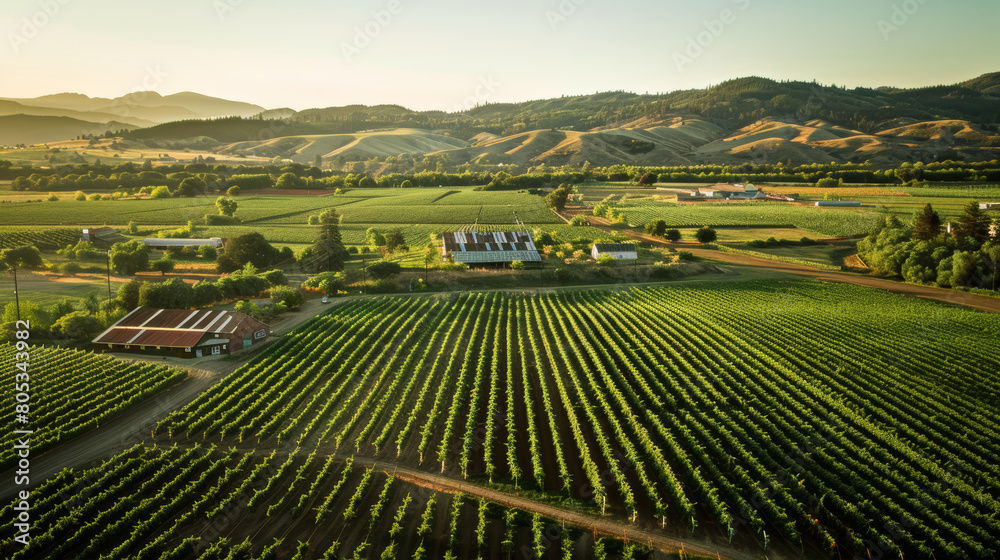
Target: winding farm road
x=955 y=297
x=985 y=303
x=590 y=523
x=114 y=436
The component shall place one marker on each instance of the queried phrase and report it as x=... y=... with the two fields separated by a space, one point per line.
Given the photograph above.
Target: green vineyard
x=202 y=502
x=827 y=419
x=44 y=239
x=702 y=410
x=75 y=391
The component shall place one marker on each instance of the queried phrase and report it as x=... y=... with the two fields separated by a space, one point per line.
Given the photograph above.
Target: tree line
x=924 y=254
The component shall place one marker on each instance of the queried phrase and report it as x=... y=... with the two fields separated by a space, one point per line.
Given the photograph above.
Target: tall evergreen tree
x=928 y=224
x=974 y=223
x=328 y=249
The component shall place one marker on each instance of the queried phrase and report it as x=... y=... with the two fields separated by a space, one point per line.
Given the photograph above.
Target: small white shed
x=620 y=251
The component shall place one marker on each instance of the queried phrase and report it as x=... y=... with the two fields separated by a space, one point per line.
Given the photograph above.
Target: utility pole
x=108 y=255
x=17 y=299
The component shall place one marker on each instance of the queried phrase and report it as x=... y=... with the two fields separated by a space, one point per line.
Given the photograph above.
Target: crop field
x=283 y=219
x=416 y=235
x=75 y=392
x=381 y=205
x=984 y=193
x=846 y=193
x=829 y=222
x=705 y=410
x=45 y=239
x=149 y=503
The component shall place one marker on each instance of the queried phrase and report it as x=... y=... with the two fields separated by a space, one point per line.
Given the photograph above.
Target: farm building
x=489 y=248
x=181 y=332
x=725 y=190
x=158 y=243
x=620 y=251
x=95 y=234
x=749 y=195
x=989 y=205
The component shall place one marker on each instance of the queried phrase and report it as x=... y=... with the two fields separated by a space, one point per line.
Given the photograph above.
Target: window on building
x=216 y=350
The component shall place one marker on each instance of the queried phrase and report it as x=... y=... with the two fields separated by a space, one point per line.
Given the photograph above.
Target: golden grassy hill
x=357 y=146
x=663 y=141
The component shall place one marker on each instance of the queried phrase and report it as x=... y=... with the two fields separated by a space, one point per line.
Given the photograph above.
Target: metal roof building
x=166 y=242
x=181 y=332
x=491 y=247
x=626 y=251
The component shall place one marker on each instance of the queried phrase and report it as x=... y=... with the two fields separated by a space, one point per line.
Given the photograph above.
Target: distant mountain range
x=30 y=120
x=755 y=120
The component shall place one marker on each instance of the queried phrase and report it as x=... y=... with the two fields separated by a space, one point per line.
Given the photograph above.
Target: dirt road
x=119 y=433
x=598 y=525
x=955 y=297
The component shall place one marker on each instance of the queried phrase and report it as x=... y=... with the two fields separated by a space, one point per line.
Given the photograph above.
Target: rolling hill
x=351 y=146
x=9 y=107
x=32 y=129
x=136 y=110
x=687 y=141
x=751 y=119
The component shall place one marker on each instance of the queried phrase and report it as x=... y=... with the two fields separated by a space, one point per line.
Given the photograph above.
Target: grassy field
x=46 y=292
x=419 y=212
x=357 y=206
x=820 y=222
x=828 y=255
x=283 y=219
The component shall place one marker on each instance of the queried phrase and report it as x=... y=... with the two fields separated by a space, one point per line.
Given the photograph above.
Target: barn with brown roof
x=181 y=332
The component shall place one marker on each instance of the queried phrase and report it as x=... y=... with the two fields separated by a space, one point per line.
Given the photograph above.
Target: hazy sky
x=445 y=54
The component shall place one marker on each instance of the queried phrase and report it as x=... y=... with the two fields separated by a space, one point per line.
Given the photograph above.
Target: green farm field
x=283 y=219
x=759 y=418
x=45 y=292
x=420 y=212
x=819 y=222
x=358 y=206
x=79 y=390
